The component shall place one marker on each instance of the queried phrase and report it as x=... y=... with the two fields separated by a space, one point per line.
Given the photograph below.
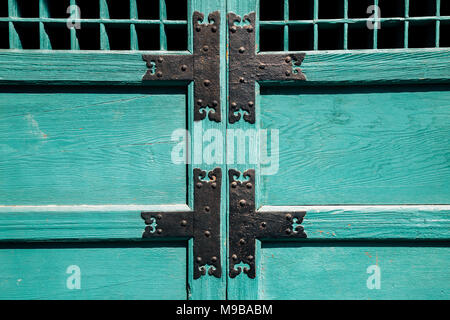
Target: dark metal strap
x=246 y=67
x=169 y=67
x=246 y=224
x=202 y=224
x=207 y=66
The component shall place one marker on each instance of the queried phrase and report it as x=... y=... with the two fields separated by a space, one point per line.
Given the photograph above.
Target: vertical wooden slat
x=316 y=27
x=133 y=34
x=286 y=26
x=162 y=30
x=74 y=45
x=104 y=14
x=375 y=30
x=438 y=22
x=190 y=11
x=44 y=12
x=14 y=40
x=406 y=27
x=345 y=25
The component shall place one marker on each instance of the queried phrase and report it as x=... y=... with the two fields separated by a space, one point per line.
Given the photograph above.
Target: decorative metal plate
x=202 y=67
x=246 y=224
x=202 y=224
x=246 y=67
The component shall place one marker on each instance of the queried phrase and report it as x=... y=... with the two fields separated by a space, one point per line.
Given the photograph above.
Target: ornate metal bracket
x=246 y=224
x=202 y=224
x=202 y=67
x=246 y=67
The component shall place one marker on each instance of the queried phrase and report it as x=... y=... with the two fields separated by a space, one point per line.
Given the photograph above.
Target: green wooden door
x=360 y=145
x=363 y=148
x=86 y=146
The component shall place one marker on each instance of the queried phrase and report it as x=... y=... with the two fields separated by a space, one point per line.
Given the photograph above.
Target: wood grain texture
x=377 y=66
x=47 y=223
x=427 y=222
x=90 y=146
x=339 y=271
x=39 y=271
x=419 y=65
x=71 y=68
x=359 y=145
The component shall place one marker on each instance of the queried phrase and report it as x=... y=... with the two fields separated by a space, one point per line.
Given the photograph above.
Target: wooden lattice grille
x=104 y=25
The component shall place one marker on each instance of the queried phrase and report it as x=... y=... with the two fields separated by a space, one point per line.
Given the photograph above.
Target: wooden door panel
x=90 y=146
x=411 y=270
x=81 y=161
x=93 y=271
x=358 y=145
x=362 y=148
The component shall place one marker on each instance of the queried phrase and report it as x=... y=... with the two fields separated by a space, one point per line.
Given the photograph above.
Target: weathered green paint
x=333 y=270
x=359 y=145
x=83 y=222
x=361 y=141
x=39 y=271
x=90 y=146
x=123 y=152
x=379 y=115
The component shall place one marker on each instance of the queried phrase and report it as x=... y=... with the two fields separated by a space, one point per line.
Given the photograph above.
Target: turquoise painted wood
x=363 y=149
x=90 y=146
x=93 y=271
x=85 y=146
x=359 y=145
x=340 y=271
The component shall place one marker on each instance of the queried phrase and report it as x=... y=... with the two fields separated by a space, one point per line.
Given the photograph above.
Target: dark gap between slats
x=331 y=37
x=89 y=9
x=3 y=8
x=88 y=36
x=118 y=36
x=271 y=38
x=391 y=35
x=301 y=10
x=176 y=9
x=28 y=33
x=4 y=35
x=359 y=36
x=422 y=34
x=301 y=37
x=392 y=8
x=59 y=35
x=58 y=8
x=119 y=9
x=28 y=8
x=148 y=37
x=358 y=8
x=271 y=10
x=445 y=8
x=422 y=8
x=444 y=35
x=148 y=9
x=331 y=9
x=176 y=37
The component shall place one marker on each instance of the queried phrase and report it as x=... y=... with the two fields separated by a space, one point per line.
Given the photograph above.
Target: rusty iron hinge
x=246 y=224
x=246 y=67
x=202 y=224
x=202 y=67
